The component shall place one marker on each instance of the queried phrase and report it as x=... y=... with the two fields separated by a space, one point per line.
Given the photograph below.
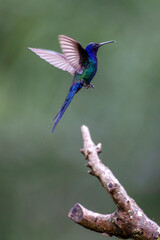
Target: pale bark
x=128 y=221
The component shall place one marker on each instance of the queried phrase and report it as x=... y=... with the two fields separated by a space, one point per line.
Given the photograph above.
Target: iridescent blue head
x=92 y=48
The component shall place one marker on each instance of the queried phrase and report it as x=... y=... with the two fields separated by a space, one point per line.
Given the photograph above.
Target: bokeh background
x=43 y=175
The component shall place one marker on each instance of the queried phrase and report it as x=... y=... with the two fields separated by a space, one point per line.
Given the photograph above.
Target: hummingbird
x=79 y=62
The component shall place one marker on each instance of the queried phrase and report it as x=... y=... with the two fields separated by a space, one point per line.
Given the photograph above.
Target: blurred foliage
x=43 y=175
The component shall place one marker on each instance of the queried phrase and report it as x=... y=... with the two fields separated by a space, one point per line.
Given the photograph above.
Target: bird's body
x=80 y=62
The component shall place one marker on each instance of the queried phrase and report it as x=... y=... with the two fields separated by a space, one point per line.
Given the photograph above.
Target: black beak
x=112 y=41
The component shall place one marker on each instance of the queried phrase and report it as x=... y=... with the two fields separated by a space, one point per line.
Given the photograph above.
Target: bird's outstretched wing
x=56 y=59
x=74 y=53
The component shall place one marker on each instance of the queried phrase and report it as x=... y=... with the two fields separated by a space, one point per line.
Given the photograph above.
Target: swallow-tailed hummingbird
x=80 y=62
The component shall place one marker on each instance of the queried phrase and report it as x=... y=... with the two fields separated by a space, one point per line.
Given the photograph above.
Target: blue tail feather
x=75 y=87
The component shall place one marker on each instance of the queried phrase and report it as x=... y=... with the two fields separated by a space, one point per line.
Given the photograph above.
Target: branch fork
x=128 y=221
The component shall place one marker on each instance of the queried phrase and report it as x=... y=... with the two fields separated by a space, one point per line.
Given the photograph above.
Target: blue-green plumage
x=80 y=62
x=75 y=87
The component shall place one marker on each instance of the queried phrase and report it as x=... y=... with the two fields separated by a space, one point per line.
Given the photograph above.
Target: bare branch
x=128 y=221
x=94 y=221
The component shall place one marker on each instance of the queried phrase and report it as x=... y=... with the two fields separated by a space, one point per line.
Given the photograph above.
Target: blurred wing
x=74 y=53
x=56 y=59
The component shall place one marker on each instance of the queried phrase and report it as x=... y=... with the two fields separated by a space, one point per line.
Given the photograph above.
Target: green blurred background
x=43 y=175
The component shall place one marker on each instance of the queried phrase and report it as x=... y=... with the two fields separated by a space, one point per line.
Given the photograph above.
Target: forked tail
x=75 y=87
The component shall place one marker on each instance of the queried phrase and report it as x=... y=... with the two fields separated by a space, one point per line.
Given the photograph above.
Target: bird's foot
x=90 y=85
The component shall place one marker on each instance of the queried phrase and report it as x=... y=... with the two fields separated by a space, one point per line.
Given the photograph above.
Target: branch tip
x=91 y=172
x=128 y=221
x=82 y=151
x=76 y=213
x=88 y=165
x=99 y=148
